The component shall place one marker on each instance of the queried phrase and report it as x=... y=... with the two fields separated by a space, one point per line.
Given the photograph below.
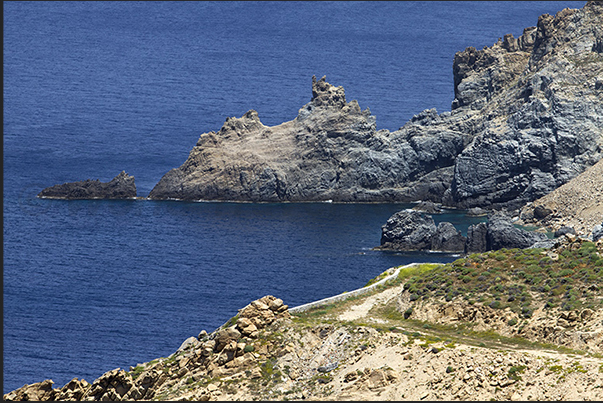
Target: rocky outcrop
x=409 y=230
x=428 y=207
x=598 y=232
x=330 y=151
x=120 y=187
x=535 y=105
x=227 y=350
x=524 y=121
x=501 y=233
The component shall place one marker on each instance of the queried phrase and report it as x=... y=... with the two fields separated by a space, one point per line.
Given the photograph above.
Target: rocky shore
x=402 y=341
x=120 y=187
x=518 y=317
x=412 y=230
x=523 y=122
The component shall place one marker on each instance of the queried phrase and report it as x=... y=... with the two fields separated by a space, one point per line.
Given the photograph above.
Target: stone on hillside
x=112 y=385
x=38 y=391
x=224 y=336
x=188 y=343
x=598 y=232
x=564 y=230
x=259 y=314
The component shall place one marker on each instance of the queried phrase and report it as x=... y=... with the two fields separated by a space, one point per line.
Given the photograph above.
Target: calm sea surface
x=93 y=88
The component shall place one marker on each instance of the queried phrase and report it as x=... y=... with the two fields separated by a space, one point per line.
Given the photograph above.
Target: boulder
x=564 y=230
x=502 y=233
x=408 y=230
x=598 y=232
x=223 y=337
x=447 y=238
x=476 y=238
x=120 y=187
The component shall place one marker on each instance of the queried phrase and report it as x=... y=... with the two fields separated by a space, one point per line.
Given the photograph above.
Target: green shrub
x=514 y=372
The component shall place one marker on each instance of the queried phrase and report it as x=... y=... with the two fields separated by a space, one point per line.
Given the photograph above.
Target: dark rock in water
x=564 y=230
x=411 y=230
x=476 y=238
x=477 y=212
x=598 y=232
x=447 y=238
x=503 y=234
x=120 y=187
x=541 y=212
x=408 y=230
x=427 y=207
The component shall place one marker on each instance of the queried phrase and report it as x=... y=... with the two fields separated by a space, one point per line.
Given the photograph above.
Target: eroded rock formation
x=525 y=120
x=409 y=230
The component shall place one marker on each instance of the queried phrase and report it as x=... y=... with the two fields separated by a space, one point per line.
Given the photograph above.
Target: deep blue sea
x=93 y=88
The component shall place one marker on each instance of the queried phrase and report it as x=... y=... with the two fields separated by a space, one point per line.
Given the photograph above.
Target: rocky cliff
x=526 y=118
x=120 y=187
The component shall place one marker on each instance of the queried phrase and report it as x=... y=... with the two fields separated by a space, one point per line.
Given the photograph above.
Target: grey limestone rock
x=408 y=230
x=564 y=230
x=598 y=232
x=476 y=238
x=120 y=187
x=427 y=207
x=447 y=238
x=503 y=234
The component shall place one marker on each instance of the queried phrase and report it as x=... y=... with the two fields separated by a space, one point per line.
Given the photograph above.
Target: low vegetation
x=520 y=279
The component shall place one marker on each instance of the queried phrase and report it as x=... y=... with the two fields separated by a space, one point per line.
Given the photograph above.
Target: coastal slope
x=526 y=119
x=493 y=326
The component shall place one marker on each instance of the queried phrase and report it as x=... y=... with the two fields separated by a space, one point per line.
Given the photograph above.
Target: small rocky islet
x=518 y=317
x=120 y=187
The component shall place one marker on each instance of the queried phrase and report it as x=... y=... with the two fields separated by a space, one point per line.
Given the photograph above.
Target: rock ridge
x=525 y=120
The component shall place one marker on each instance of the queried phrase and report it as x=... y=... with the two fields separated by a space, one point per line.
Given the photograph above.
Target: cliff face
x=576 y=204
x=536 y=101
x=527 y=117
x=330 y=151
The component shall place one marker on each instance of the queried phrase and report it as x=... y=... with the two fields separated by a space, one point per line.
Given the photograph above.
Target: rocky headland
x=526 y=119
x=120 y=187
